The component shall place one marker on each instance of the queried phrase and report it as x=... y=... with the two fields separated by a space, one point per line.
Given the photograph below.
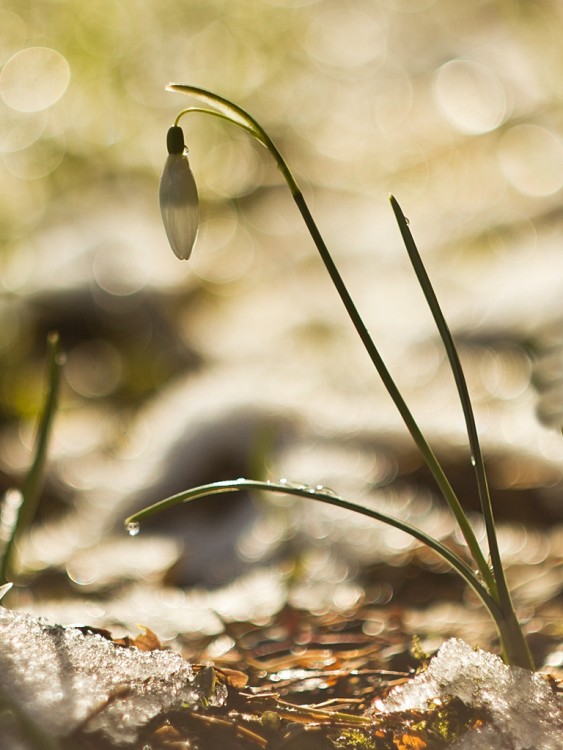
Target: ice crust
x=63 y=679
x=525 y=713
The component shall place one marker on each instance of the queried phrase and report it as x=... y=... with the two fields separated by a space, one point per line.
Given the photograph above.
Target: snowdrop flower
x=179 y=203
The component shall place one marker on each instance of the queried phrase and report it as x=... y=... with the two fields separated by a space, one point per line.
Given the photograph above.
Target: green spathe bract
x=489 y=580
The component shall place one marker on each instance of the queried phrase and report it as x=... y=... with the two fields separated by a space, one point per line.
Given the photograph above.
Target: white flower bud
x=179 y=204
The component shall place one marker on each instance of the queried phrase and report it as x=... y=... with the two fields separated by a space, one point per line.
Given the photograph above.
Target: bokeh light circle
x=531 y=160
x=34 y=79
x=470 y=96
x=330 y=35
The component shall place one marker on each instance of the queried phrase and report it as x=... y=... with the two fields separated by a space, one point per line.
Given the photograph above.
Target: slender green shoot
x=488 y=582
x=33 y=481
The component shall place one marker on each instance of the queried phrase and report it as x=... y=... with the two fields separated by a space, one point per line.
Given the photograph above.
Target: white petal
x=179 y=205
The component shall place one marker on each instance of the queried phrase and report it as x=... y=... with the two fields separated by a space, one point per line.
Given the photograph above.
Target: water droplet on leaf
x=325 y=490
x=133 y=528
x=293 y=485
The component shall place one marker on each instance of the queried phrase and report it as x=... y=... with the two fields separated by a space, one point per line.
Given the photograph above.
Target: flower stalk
x=489 y=581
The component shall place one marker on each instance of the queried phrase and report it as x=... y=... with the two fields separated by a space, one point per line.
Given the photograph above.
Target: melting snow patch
x=525 y=713
x=65 y=679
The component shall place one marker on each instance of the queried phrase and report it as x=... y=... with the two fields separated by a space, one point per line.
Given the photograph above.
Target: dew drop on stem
x=133 y=528
x=324 y=490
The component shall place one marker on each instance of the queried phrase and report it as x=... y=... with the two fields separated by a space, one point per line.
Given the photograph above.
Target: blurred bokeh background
x=242 y=360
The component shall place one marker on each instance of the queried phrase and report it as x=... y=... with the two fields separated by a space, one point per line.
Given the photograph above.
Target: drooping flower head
x=179 y=203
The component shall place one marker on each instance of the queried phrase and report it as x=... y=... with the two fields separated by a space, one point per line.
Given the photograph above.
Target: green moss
x=448 y=721
x=354 y=739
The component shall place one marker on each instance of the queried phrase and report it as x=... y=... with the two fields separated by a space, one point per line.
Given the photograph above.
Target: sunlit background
x=243 y=358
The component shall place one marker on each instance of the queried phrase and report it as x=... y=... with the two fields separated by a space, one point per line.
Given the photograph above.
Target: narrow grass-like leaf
x=236 y=485
x=32 y=483
x=463 y=391
x=500 y=590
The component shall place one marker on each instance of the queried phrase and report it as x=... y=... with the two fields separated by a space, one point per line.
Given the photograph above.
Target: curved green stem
x=238 y=116
x=325 y=496
x=214 y=113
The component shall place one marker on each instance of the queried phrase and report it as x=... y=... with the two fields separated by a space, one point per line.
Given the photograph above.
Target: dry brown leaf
x=146 y=641
x=234 y=677
x=410 y=742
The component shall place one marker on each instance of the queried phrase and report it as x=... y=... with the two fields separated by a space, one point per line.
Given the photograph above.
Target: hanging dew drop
x=133 y=528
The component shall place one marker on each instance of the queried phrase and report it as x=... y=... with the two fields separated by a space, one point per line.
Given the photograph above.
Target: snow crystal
x=524 y=712
x=66 y=679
